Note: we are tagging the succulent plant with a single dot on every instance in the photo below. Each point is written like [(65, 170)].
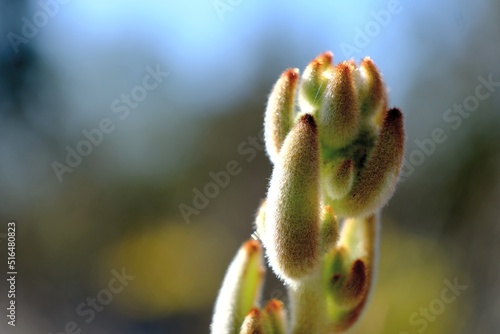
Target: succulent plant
[(336, 162)]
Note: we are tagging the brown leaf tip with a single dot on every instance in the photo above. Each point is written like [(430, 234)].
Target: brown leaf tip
[(252, 246), (359, 279), (274, 305), (345, 68), (394, 115), (370, 65), (367, 60), (322, 61), (325, 57), (354, 285), (291, 74), (352, 62), (255, 313), (394, 121), (308, 120), (253, 323)]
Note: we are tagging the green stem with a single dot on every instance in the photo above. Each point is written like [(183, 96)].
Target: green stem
[(308, 305)]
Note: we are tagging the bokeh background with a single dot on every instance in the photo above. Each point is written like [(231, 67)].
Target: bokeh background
[(119, 210)]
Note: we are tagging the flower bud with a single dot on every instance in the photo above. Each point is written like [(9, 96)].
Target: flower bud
[(292, 214), (240, 290), (314, 81), (280, 111), (339, 115)]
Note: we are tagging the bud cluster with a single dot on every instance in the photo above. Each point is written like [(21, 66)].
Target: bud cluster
[(336, 161)]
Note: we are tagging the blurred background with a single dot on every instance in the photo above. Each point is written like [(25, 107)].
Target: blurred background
[(116, 115)]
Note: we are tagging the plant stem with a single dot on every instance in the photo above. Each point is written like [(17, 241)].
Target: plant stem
[(308, 305)]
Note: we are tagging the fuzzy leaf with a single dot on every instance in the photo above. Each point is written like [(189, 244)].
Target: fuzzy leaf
[(313, 83), (280, 111), (378, 178), (241, 289), (339, 115), (292, 214)]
